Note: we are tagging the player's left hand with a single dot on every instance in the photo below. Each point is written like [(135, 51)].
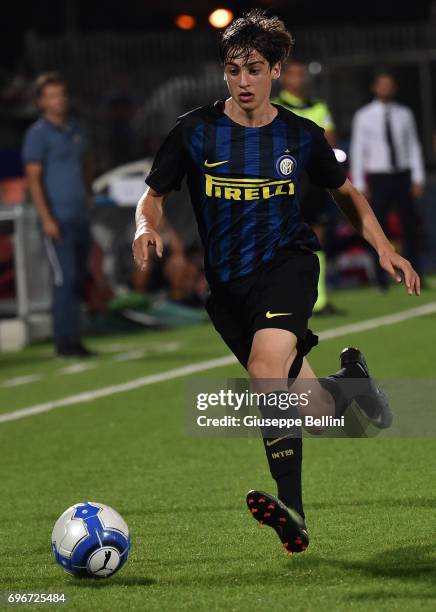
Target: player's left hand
[(394, 265)]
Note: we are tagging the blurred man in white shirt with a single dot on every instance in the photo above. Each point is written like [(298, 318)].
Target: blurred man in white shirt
[(386, 161)]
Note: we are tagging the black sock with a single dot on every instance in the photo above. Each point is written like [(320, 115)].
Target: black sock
[(285, 463), (284, 451)]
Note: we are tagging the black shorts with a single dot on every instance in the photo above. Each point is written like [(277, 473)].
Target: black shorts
[(287, 284)]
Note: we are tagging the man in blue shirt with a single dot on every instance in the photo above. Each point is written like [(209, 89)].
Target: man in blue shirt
[(58, 174)]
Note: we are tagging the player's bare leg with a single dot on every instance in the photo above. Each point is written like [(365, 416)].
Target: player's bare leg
[(273, 352)]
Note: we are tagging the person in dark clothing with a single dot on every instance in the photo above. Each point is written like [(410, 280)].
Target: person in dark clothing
[(244, 159)]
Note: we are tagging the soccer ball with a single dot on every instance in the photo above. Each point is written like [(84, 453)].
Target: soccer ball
[(90, 539)]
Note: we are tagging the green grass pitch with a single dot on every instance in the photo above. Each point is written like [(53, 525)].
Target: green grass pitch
[(370, 503)]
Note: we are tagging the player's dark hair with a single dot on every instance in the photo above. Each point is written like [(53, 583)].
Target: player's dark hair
[(48, 78), (256, 30)]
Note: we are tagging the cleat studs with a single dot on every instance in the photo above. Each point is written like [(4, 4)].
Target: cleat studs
[(285, 545), (282, 520), (262, 500), (260, 523), (290, 553), (266, 514), (303, 548), (298, 541), (250, 501), (253, 510), (271, 507)]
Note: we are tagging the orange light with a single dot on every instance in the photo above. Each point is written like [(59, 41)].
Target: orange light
[(220, 18), (185, 22)]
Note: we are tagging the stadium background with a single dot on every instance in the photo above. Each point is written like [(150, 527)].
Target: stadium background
[(369, 502)]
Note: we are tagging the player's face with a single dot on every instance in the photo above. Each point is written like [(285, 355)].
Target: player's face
[(249, 82), (54, 100), (385, 87), (294, 78)]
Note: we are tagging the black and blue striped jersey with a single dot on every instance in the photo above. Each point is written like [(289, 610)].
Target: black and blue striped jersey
[(244, 183)]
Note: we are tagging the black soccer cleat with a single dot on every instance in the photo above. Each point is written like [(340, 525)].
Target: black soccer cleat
[(288, 524), (371, 401)]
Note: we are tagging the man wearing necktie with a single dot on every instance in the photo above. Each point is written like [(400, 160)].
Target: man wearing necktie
[(386, 162)]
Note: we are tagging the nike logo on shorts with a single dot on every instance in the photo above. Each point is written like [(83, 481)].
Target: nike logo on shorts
[(270, 315), (213, 164)]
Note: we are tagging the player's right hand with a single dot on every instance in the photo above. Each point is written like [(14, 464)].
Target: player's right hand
[(140, 247), (51, 229)]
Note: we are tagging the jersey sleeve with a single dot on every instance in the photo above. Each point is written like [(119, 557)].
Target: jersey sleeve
[(33, 149), (322, 167), (170, 164)]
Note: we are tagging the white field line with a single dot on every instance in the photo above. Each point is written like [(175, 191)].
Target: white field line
[(114, 347), (368, 324), (88, 396), (138, 354), (77, 368), (165, 347), (210, 364), (21, 380)]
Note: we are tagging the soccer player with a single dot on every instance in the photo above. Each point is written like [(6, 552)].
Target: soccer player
[(244, 158), (315, 202)]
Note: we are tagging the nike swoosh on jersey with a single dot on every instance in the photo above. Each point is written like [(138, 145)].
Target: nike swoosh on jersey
[(272, 442), (270, 315), (213, 164)]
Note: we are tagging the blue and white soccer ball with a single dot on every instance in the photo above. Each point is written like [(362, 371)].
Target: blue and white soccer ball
[(90, 539)]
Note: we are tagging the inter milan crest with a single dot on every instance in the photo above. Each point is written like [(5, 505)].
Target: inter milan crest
[(286, 165)]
